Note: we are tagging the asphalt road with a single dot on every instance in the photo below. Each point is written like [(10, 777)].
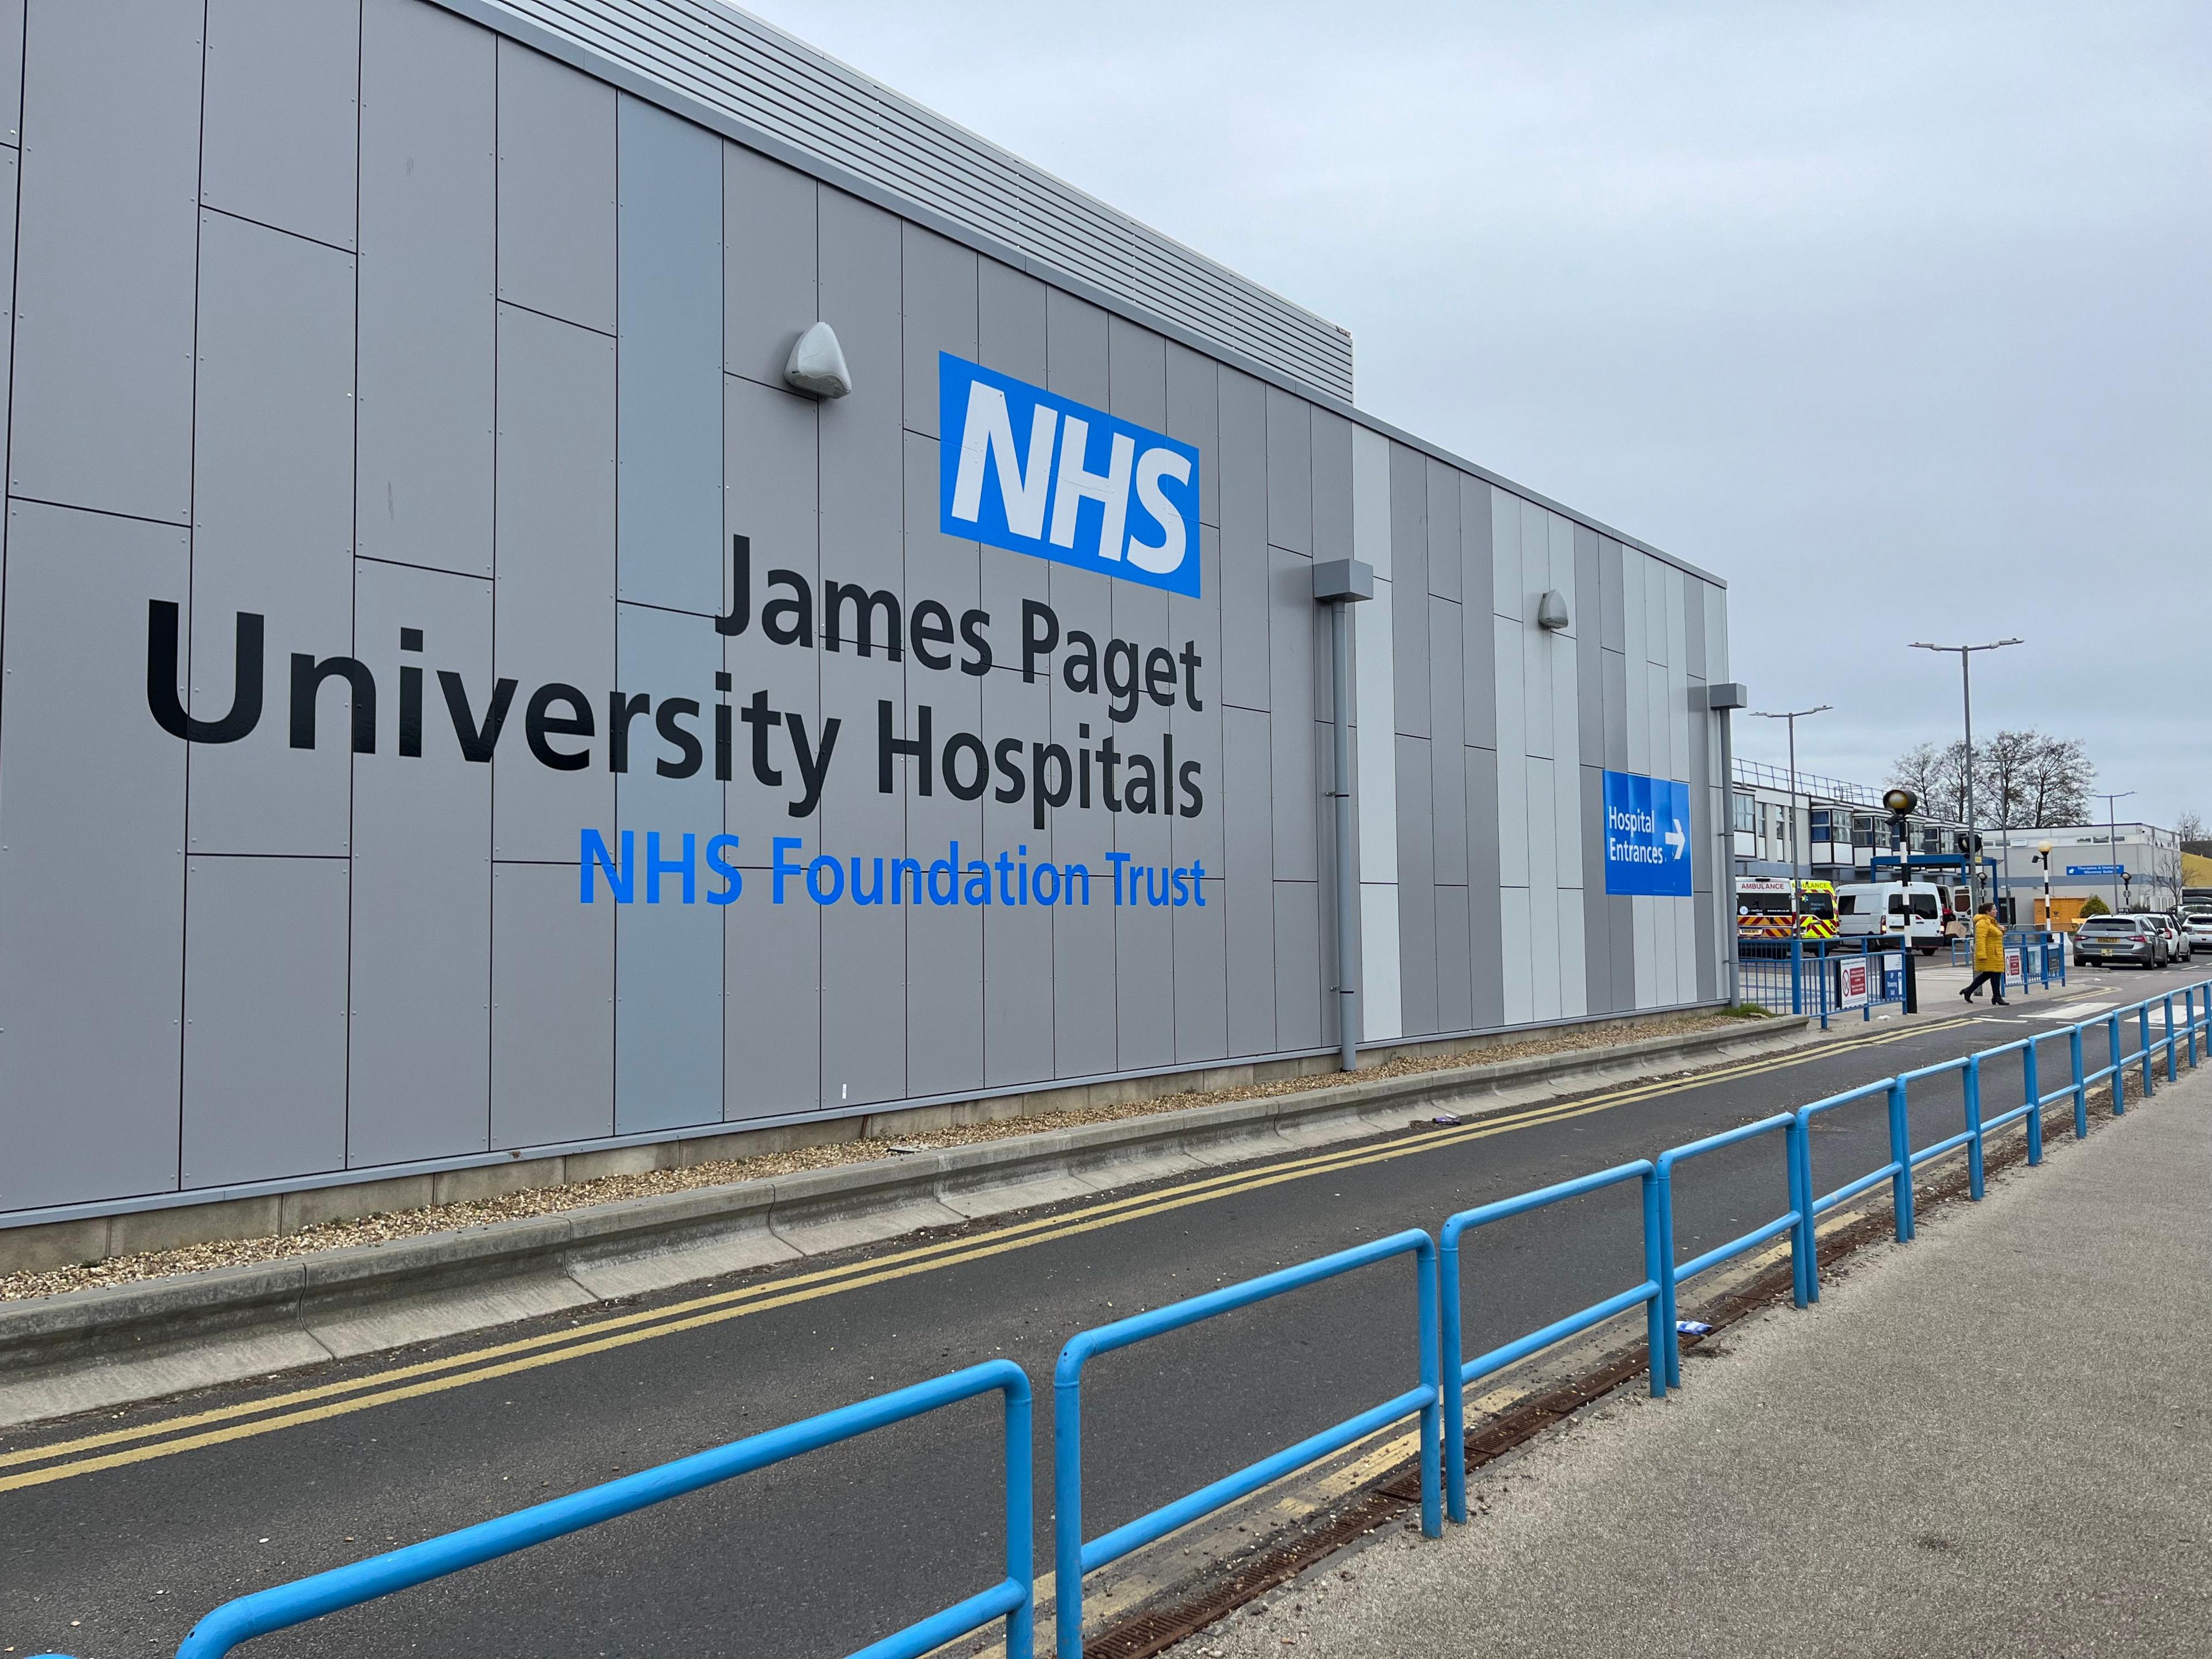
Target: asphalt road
[(192, 1501)]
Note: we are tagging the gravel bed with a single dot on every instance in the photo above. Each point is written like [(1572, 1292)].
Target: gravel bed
[(608, 1190)]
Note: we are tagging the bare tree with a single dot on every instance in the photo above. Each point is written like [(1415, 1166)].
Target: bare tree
[(2189, 829), (2004, 769), (1936, 775), (2057, 779)]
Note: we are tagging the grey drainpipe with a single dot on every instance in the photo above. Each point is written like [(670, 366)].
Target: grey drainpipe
[(1721, 696), (1339, 584)]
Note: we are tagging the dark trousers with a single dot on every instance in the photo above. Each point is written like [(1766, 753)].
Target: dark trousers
[(1994, 978)]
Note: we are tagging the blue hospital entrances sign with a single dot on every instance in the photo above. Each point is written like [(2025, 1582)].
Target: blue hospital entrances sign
[(1020, 468), (1647, 835)]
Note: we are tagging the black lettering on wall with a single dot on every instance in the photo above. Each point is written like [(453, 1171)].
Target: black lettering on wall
[(307, 677), (163, 621)]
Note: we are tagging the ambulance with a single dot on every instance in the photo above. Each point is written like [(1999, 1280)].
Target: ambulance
[(1762, 908)]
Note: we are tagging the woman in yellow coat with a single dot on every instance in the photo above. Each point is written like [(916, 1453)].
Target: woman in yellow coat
[(1988, 957)]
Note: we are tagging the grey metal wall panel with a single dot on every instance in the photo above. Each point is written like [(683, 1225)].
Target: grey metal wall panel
[(273, 480), (1013, 337), (1589, 671), (1084, 954), (1483, 889), (1332, 485), (1245, 560), (770, 468), (1505, 584), (282, 114), (1018, 989), (1290, 473), (1512, 756), (552, 1008), (553, 597), (1292, 698), (1479, 666), (1543, 888), (419, 1084), (1610, 597), (1446, 561), (1081, 355), (11, 72), (1197, 622), (264, 1065), (1410, 602), (1597, 909), (1201, 973), (1613, 690), (772, 1052), (937, 284), (668, 504), (751, 75), (1455, 960), (1193, 416), (1136, 374), (1448, 758), (428, 260), (103, 389), (769, 238), (1247, 863), (90, 972), (557, 189), (1694, 628), (1417, 876), (1299, 972), (945, 948), (668, 955)]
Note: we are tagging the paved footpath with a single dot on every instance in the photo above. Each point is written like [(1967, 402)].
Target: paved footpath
[(1995, 1440)]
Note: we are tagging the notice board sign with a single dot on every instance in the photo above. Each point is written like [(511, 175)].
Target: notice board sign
[(1647, 835), (1851, 982)]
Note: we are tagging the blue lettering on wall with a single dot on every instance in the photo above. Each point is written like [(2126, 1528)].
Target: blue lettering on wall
[(1020, 468)]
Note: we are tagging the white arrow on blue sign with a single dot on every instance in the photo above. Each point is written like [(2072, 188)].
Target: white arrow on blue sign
[(1647, 835)]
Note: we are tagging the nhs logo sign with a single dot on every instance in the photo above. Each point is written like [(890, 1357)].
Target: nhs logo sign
[(1022, 468)]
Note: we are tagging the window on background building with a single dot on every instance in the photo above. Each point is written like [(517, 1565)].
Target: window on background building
[(1821, 823), (1863, 827), (1747, 814)]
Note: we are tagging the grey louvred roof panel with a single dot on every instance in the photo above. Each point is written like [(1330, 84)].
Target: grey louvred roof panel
[(755, 75)]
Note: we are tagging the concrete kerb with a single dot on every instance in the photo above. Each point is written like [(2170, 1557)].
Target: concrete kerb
[(88, 1349)]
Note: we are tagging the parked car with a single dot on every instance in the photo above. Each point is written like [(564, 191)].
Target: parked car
[(2177, 941), (2119, 939), (2196, 928)]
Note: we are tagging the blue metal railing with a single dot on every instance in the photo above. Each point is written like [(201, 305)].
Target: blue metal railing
[(402, 1569), (1073, 1557), (1796, 1221), (1438, 1399), (1462, 1371)]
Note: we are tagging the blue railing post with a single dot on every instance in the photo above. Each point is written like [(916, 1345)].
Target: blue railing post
[(2033, 1072), (1666, 1335), (1454, 1425), (1067, 1509), (1804, 1263), (2188, 1021), (2142, 1034), (2167, 1009), (2119, 1067), (2062, 961), (1797, 975), (2081, 1087), (1426, 1285), (1900, 1152), (1973, 1097), (1662, 1343), (1867, 957)]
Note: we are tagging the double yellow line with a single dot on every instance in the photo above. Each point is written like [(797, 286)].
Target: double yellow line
[(169, 1437)]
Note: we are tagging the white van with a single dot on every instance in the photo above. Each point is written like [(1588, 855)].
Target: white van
[(1914, 909)]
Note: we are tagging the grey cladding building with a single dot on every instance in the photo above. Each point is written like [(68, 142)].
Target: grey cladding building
[(402, 477)]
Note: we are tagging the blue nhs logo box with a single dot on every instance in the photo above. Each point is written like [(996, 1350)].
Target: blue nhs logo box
[(1022, 468)]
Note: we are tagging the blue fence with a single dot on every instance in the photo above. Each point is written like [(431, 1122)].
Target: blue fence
[(1072, 1557), (1009, 1599), (1438, 1399), (1805, 975)]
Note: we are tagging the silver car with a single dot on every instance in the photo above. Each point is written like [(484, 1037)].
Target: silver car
[(2177, 941), (2196, 928), (2119, 939)]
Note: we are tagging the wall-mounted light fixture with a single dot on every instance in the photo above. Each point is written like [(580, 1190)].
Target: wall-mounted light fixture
[(1552, 610), (817, 364)]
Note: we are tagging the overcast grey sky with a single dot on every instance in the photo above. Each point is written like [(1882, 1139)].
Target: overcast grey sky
[(1896, 316)]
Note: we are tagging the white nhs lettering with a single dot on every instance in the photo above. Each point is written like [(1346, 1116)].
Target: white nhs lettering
[(1026, 462)]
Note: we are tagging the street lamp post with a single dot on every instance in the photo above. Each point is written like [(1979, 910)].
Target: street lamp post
[(2043, 857), (2113, 841), (1966, 687), (1796, 816)]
